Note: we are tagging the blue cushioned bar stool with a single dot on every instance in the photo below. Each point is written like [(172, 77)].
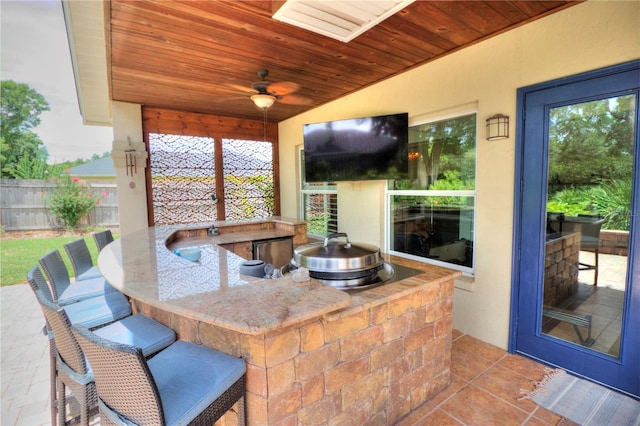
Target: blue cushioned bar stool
[(81, 262), (69, 367), (102, 238), (64, 291), (73, 371), (182, 384), (94, 312)]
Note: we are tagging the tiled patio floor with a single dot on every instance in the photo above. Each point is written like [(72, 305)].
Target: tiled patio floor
[(25, 359), (486, 381)]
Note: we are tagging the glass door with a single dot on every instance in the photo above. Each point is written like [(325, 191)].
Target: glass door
[(576, 296), (589, 179)]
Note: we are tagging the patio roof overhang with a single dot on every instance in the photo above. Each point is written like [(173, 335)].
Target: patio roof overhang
[(197, 56)]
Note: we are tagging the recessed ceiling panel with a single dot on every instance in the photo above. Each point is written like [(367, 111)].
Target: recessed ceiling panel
[(340, 20)]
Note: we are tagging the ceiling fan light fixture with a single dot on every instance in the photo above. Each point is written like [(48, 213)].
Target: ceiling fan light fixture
[(263, 101)]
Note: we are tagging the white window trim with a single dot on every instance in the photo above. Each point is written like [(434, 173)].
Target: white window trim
[(425, 119), (322, 190)]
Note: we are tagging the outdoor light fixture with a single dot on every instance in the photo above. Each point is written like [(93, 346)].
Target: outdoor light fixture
[(263, 101), (497, 127)]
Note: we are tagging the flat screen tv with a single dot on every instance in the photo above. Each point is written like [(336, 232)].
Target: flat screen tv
[(368, 148)]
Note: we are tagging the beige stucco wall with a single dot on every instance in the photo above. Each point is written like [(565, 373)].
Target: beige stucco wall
[(132, 192), (485, 76)]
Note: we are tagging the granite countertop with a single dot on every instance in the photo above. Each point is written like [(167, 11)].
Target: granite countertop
[(142, 266)]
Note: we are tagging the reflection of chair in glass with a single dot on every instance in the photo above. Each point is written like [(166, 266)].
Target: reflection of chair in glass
[(418, 244), (589, 229), (183, 384)]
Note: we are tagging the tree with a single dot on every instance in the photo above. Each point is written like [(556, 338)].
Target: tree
[(591, 142), (37, 167), (591, 149), (20, 110), (443, 150)]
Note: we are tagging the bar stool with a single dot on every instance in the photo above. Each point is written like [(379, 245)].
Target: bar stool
[(94, 312), (91, 312), (182, 384), (68, 365), (64, 291), (83, 267), (102, 238)]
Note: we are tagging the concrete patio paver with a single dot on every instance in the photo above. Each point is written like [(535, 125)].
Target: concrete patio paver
[(24, 373)]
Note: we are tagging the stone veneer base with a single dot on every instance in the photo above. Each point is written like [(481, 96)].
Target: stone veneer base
[(366, 364)]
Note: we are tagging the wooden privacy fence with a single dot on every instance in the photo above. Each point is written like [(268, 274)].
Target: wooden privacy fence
[(22, 203)]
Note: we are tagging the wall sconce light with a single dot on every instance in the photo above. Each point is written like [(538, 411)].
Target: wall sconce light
[(497, 127)]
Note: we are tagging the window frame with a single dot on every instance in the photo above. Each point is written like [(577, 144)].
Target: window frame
[(390, 193), (326, 188), (182, 123)]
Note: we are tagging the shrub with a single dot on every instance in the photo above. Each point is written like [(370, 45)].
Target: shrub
[(613, 203), (70, 201), (611, 200), (572, 201)]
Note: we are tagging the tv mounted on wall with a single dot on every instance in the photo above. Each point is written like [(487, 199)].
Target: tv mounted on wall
[(367, 148)]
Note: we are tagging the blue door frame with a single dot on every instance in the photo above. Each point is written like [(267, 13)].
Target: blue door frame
[(534, 103)]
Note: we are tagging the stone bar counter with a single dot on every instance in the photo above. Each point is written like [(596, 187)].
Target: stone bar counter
[(314, 354)]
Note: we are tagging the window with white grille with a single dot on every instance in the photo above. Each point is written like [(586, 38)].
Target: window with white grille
[(432, 213), (319, 205)]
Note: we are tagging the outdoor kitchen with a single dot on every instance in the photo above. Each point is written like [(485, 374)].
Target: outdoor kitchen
[(353, 352), (325, 228)]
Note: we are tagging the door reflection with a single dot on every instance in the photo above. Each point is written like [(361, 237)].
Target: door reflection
[(587, 221)]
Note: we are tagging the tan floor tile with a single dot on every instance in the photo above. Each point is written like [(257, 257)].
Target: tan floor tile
[(547, 416), (475, 406), (525, 366), (417, 415), (455, 334), (480, 348), (506, 385), (467, 364), (534, 421), (438, 418), (456, 384)]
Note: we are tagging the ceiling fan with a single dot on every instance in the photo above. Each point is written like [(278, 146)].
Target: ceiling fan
[(264, 93)]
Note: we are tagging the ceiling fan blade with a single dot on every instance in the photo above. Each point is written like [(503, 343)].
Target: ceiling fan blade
[(294, 100), (244, 89), (282, 88)]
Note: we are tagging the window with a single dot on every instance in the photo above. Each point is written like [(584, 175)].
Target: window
[(432, 214), (183, 179), (319, 205), (248, 179)]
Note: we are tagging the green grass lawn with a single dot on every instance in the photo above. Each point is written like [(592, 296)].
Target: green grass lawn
[(18, 256)]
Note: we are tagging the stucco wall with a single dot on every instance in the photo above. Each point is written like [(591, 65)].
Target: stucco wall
[(132, 191), (485, 76)]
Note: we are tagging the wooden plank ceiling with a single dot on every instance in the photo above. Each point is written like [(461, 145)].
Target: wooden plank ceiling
[(198, 55)]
